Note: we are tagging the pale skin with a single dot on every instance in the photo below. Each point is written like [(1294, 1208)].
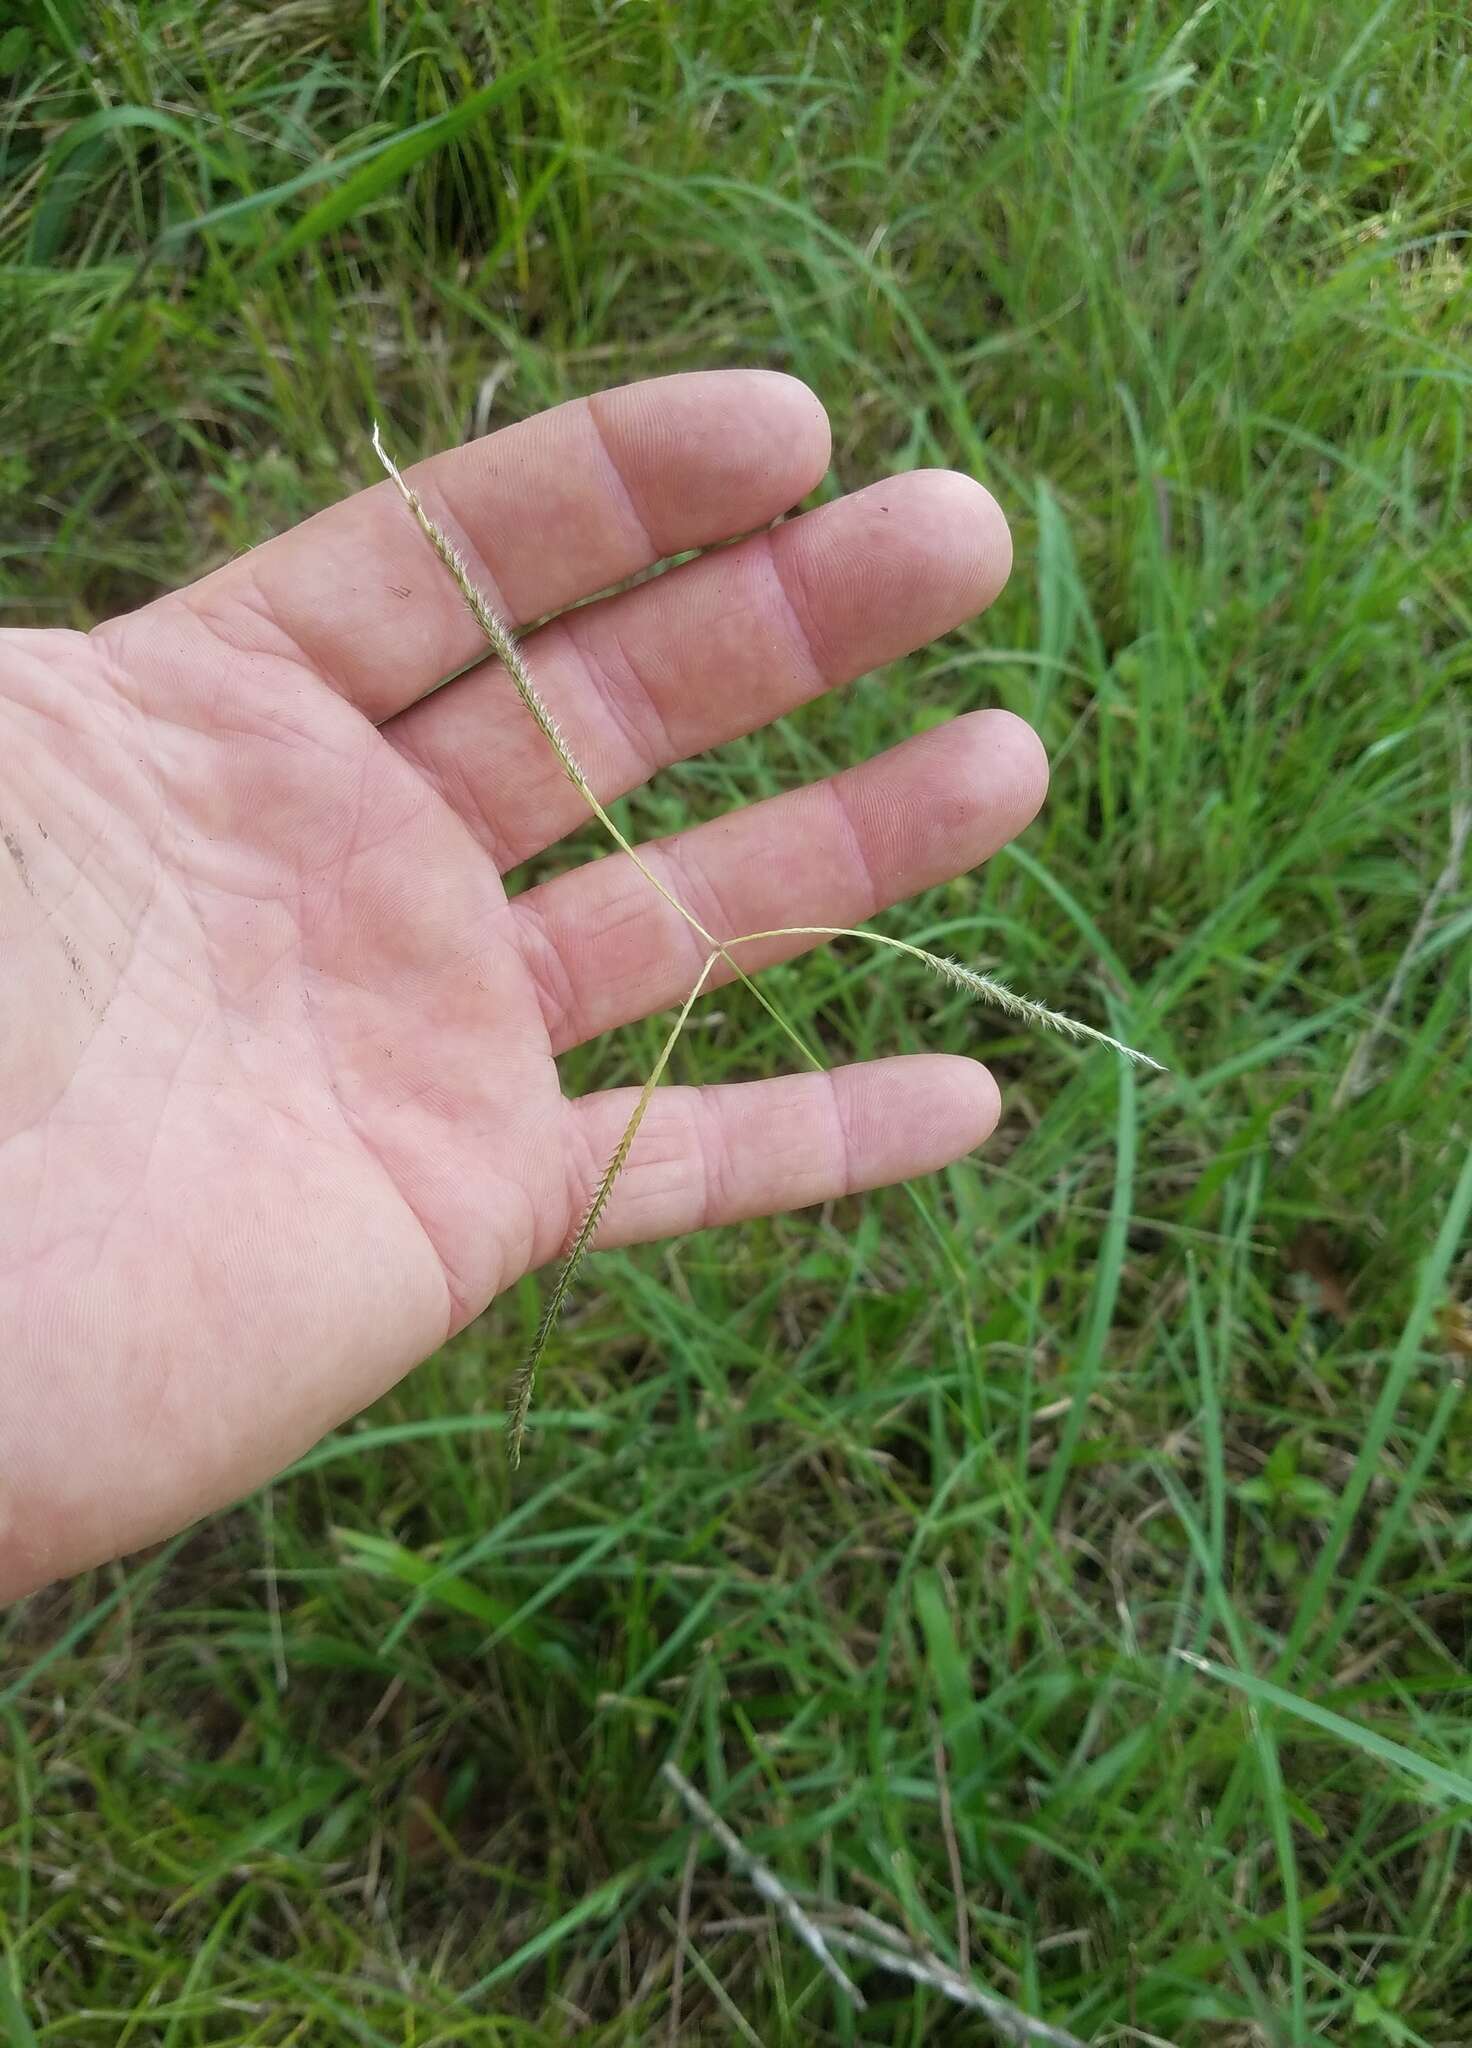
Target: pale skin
[(279, 1103)]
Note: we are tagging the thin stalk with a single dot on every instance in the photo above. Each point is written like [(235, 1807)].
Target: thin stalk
[(526, 1379), (507, 649)]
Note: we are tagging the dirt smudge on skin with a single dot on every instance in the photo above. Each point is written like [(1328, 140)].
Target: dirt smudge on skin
[(73, 958), (13, 848)]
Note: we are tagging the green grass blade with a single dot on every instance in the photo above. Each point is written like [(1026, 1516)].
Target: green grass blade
[(1107, 1276), (1430, 1287), (130, 1586), (66, 177), (600, 1902), (385, 167), (18, 2030), (1439, 1778)]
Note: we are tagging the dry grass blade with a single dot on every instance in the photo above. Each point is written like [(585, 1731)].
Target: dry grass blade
[(1008, 2019), (766, 1881), (812, 1921)]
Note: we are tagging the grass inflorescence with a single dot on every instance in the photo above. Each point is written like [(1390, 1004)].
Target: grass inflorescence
[(984, 988)]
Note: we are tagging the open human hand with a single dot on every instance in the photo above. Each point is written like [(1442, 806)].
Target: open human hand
[(279, 1105)]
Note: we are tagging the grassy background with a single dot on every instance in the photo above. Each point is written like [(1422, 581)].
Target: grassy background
[(879, 1514)]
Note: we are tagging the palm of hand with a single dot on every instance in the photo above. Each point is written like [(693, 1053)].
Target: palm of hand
[(279, 1107), (286, 1108)]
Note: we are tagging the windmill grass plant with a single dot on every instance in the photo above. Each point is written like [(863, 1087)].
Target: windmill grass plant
[(509, 650)]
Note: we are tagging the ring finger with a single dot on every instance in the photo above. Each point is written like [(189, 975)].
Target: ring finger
[(605, 948)]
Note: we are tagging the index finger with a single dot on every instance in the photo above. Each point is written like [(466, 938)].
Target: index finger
[(546, 512)]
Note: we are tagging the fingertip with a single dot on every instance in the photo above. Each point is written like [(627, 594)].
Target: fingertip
[(884, 570), (1026, 762), (797, 418), (996, 545), (706, 454), (928, 1110), (974, 529), (1009, 764), (976, 1098)]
